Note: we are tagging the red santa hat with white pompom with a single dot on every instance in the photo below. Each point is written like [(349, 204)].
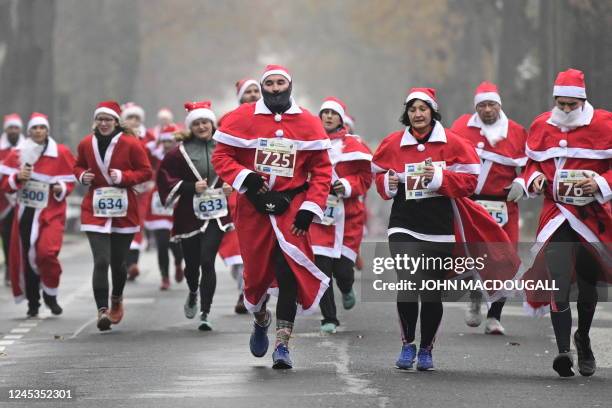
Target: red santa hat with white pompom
[(486, 91), (199, 110), (425, 94), (570, 83)]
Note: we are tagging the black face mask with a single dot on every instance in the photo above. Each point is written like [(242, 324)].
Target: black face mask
[(277, 102)]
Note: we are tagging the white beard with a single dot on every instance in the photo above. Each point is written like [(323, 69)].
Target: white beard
[(572, 120), (30, 152), (495, 132)]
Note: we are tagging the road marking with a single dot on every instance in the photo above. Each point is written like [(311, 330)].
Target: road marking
[(21, 330), (138, 301), (6, 342), (28, 324), (13, 336), (83, 327)]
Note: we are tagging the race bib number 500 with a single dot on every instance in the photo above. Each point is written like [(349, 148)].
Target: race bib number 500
[(34, 194), (567, 192), (110, 202), (415, 185), (275, 156)]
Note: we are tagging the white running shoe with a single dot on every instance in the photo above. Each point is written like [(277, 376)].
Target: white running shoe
[(473, 316), (493, 326)]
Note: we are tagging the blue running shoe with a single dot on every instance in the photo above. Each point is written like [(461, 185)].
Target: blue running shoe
[(259, 338), (406, 358), (424, 360), (281, 359)]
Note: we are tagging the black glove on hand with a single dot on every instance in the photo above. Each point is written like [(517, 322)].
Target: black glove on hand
[(253, 182), (303, 219)]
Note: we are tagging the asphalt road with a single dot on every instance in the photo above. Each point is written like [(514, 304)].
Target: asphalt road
[(157, 358)]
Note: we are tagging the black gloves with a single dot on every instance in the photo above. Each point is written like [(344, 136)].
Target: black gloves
[(253, 182), (303, 219)]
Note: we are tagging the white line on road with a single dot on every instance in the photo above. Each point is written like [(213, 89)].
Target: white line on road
[(13, 336), (21, 330), (6, 342)]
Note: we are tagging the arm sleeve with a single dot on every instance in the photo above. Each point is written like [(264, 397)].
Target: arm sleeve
[(227, 167), (320, 169), (141, 167)]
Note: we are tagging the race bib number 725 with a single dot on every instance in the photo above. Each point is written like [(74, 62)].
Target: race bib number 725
[(276, 156)]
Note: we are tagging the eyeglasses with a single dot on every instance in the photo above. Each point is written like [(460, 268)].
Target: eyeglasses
[(104, 120)]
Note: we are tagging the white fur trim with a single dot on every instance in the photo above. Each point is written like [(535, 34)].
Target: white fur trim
[(275, 72), (569, 91), (38, 121), (334, 106), (13, 122), (485, 168), (423, 237), (239, 181), (108, 111), (313, 208), (12, 180), (349, 253), (487, 96), (424, 97), (348, 190), (570, 152), (503, 160), (471, 168), (437, 135), (235, 141), (134, 110), (202, 113), (605, 193), (62, 194), (344, 157), (233, 260), (436, 181), (171, 196), (158, 225), (388, 191), (119, 176), (244, 87)]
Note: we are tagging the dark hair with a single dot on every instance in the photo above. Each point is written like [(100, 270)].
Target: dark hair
[(404, 120)]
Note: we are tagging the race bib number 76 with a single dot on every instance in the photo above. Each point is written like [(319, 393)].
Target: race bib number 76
[(415, 184)]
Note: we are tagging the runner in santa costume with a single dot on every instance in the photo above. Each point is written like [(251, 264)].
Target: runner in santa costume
[(275, 154), (165, 117), (134, 116), (247, 91), (159, 217), (40, 172), (10, 139), (570, 163), (200, 216), (111, 161), (430, 172), (500, 144), (336, 240)]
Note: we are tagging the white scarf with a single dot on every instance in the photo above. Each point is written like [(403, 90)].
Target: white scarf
[(30, 152), (572, 120), (495, 132)]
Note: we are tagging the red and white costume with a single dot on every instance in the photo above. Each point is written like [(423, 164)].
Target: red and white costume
[(54, 166), (238, 138), (351, 165), (7, 200), (552, 150), (125, 154), (501, 148)]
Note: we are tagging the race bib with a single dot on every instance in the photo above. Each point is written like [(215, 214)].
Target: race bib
[(157, 208), (565, 185), (110, 202), (414, 183), (212, 203), (331, 210), (275, 156), (497, 209), (34, 194)]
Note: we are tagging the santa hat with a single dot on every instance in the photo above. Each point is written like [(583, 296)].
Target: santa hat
[(38, 119), (199, 110), (242, 85), (336, 105), (275, 70), (571, 84), (425, 94), (486, 91), (165, 113), (131, 109), (12, 119), (110, 108), (350, 121), (167, 132)]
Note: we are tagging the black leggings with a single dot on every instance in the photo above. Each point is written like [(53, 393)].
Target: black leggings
[(408, 302), (342, 269), (564, 253), (109, 250), (200, 252), (286, 305), (162, 239), (7, 226), (32, 279)]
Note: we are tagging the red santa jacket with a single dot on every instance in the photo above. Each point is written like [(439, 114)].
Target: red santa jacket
[(552, 153), (7, 200), (243, 130), (351, 165), (472, 224), (126, 154), (54, 166)]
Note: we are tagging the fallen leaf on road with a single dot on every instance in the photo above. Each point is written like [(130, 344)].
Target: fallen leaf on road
[(513, 343)]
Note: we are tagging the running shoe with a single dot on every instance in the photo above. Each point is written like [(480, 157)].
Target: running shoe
[(240, 308), (51, 302), (586, 359), (473, 316), (281, 359), (191, 305), (179, 274), (32, 311), (406, 358), (104, 322), (424, 360), (133, 272), (348, 300), (259, 342), (563, 364), (204, 322), (328, 328), (493, 326), (116, 311), (165, 285)]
